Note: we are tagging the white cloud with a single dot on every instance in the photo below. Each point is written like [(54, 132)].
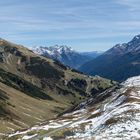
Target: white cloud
[(75, 20)]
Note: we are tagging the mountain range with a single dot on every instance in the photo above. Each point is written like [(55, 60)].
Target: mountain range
[(66, 55), (34, 88), (40, 98), (118, 63)]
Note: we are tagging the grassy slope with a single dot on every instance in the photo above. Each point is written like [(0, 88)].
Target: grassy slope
[(34, 89)]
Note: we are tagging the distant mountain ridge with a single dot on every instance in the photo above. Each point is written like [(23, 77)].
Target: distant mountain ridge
[(118, 63), (53, 50), (131, 47), (92, 54), (66, 55)]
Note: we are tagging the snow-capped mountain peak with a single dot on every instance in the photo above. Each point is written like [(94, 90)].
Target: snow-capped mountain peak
[(133, 47), (52, 50), (64, 54), (137, 37)]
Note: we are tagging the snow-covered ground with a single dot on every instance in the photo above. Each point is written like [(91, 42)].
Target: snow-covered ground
[(134, 81), (113, 117)]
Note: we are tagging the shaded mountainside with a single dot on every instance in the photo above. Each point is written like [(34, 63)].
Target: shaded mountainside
[(34, 89), (119, 63), (65, 55), (111, 115)]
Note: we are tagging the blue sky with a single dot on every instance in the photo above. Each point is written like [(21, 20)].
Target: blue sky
[(85, 25)]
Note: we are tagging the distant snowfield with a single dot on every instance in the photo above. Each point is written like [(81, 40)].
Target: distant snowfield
[(116, 117), (134, 81)]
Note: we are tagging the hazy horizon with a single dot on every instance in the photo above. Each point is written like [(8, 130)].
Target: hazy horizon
[(94, 25)]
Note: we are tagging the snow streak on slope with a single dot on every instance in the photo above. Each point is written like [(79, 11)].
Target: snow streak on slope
[(111, 115)]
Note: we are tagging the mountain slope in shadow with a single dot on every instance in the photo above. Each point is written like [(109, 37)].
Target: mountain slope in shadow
[(119, 63)]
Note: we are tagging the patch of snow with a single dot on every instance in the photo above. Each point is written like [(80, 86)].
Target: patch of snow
[(47, 138), (133, 81), (28, 137)]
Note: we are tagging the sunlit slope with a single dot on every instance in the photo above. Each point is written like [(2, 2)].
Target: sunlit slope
[(34, 88)]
